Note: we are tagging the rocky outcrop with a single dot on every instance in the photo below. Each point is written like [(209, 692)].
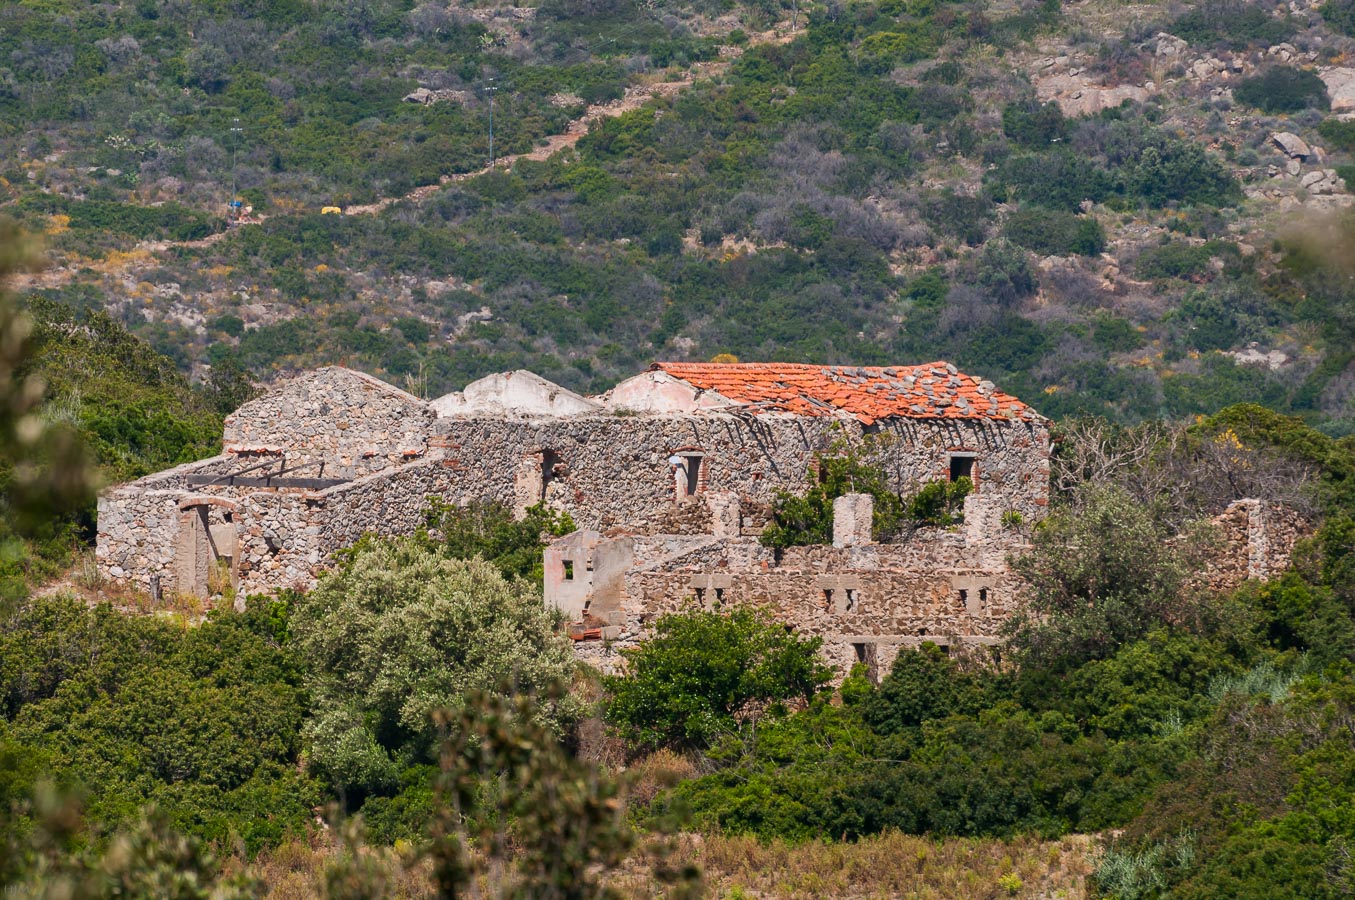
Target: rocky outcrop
[(1076, 96), (425, 96), (1340, 82), (1323, 181), (1169, 45)]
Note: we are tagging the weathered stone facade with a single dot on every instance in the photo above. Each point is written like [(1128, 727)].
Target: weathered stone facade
[(670, 476), (866, 600), (332, 454)]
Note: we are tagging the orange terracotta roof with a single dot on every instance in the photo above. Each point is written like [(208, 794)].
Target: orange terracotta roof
[(867, 393)]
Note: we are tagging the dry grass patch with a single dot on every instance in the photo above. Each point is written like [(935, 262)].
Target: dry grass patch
[(299, 870), (888, 865)]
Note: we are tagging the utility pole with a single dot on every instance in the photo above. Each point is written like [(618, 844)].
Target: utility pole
[(236, 131), (490, 88)]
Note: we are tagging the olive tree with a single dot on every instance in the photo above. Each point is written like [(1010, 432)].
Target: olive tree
[(1103, 573), (399, 631)]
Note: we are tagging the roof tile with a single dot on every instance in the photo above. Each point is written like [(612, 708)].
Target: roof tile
[(933, 390)]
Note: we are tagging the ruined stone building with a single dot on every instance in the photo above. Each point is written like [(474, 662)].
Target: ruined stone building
[(669, 475)]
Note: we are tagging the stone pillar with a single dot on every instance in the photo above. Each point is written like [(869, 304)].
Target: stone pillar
[(852, 515)]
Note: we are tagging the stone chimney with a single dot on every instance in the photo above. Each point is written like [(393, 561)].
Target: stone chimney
[(852, 515)]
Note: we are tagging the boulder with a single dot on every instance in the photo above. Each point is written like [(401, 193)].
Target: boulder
[(1340, 82), (1169, 44), (1293, 146), (1076, 97), (1322, 182)]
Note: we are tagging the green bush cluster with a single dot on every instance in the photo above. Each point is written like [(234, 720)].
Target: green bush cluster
[(1283, 89), (204, 722), (1053, 232), (1339, 16), (1234, 24)]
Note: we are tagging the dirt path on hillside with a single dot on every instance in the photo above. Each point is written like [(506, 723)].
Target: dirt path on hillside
[(636, 96)]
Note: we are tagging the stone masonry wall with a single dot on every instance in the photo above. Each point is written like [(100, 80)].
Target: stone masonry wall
[(610, 470), (139, 525), (353, 423), (1256, 540), (865, 602), (292, 540)]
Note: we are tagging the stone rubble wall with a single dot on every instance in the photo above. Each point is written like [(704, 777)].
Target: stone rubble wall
[(353, 423), (1256, 541), (137, 538), (298, 535), (139, 524), (878, 598), (612, 471)]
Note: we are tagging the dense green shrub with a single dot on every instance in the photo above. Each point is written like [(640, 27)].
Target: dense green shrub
[(1339, 16), (703, 675), (490, 531), (398, 631), (1283, 89), (1174, 260), (1220, 318), (1339, 133), (923, 685), (1175, 171), (1002, 273), (1034, 125), (1056, 179), (1101, 575), (1236, 24), (204, 721), (804, 519), (939, 503), (1055, 232), (960, 215)]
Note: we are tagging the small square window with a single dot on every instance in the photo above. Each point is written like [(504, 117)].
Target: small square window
[(961, 467)]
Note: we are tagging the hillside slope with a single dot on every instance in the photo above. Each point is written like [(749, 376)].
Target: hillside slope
[(1102, 205)]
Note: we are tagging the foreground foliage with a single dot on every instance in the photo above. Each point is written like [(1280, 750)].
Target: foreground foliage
[(203, 722), (397, 632)]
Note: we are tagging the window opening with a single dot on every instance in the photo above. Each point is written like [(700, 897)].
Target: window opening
[(865, 654), (827, 598), (700, 595), (694, 474), (851, 599), (983, 595), (569, 569), (964, 596), (719, 595), (961, 467), (549, 460)]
